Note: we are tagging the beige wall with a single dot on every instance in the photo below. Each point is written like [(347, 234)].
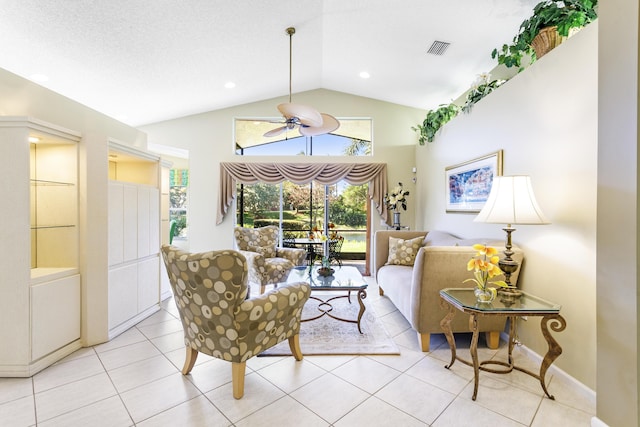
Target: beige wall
[(209, 139), (617, 313), (545, 120)]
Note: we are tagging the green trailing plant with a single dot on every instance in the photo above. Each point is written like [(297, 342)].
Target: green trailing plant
[(565, 15), (480, 88), (434, 120)]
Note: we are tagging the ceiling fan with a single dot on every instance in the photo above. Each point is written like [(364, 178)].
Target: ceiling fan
[(307, 119)]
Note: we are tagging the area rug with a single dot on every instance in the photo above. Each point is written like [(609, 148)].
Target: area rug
[(327, 336)]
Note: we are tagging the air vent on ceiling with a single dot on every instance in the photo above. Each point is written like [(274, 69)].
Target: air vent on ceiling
[(438, 48)]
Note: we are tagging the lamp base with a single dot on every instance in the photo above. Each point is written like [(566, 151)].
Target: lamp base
[(509, 266)]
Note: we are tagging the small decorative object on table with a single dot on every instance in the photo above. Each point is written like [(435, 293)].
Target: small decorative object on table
[(397, 199), (485, 266), (325, 270)]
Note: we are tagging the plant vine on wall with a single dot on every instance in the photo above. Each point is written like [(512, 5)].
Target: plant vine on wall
[(550, 24)]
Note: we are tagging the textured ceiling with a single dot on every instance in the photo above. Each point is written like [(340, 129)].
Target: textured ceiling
[(143, 61)]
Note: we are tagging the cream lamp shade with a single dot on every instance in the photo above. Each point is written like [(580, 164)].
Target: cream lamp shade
[(511, 201)]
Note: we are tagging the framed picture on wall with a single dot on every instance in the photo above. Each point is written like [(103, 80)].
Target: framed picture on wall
[(468, 184)]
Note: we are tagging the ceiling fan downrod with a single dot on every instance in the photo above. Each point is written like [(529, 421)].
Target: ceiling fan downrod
[(290, 31)]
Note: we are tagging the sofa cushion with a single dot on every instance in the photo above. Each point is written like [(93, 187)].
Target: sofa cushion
[(403, 252)]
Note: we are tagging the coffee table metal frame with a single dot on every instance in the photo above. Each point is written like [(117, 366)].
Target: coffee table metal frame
[(344, 278), (463, 299)]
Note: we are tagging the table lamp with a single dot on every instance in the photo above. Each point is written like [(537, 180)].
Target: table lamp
[(511, 201)]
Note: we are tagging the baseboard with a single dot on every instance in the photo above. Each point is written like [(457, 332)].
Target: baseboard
[(125, 326), (597, 422), (32, 368), (554, 370)]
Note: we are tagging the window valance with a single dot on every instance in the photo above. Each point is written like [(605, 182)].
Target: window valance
[(302, 173)]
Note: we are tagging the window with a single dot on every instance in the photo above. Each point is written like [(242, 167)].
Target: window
[(178, 202), (352, 138), (300, 209)]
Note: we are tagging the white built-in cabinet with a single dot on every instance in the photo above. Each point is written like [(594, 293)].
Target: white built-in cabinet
[(134, 224), (165, 202), (40, 286), (63, 285)]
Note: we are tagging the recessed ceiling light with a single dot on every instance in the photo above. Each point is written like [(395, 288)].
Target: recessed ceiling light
[(229, 85), (364, 75), (34, 139), (39, 78)]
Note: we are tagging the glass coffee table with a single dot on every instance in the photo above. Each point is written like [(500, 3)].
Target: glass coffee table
[(464, 299), (344, 278)]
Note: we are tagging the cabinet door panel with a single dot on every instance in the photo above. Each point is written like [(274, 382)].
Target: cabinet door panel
[(130, 228), (123, 294), (154, 221), (116, 223), (55, 311), (143, 222), (148, 283)]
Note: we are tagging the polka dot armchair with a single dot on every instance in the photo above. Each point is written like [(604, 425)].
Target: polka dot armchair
[(268, 264), (210, 291)]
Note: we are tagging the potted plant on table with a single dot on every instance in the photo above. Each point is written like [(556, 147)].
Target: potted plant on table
[(395, 201), (325, 269), (550, 24), (485, 267)]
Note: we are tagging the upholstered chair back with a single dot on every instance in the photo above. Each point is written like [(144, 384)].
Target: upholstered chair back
[(268, 263), (210, 291), (262, 240)]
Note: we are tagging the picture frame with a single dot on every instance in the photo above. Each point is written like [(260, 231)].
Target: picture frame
[(468, 184)]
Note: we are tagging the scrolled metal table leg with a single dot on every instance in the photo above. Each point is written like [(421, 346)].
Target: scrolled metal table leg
[(557, 324), (473, 325), (445, 324), (362, 294)]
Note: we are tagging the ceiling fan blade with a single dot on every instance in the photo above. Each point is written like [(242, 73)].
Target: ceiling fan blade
[(306, 115), (275, 132), (329, 124)]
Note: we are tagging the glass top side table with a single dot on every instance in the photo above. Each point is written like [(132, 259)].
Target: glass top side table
[(463, 299)]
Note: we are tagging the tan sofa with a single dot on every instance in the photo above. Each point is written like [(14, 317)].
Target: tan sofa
[(439, 263)]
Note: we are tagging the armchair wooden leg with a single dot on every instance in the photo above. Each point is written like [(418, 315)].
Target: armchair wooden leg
[(380, 291), (294, 345), (424, 340), (263, 288), (237, 378), (189, 360), (493, 339)]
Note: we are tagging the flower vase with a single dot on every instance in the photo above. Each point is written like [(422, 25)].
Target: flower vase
[(396, 220), (485, 296)]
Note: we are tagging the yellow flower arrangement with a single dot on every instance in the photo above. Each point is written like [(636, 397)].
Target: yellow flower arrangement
[(485, 266)]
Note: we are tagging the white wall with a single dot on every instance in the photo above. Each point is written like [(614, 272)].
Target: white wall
[(209, 139), (545, 120)]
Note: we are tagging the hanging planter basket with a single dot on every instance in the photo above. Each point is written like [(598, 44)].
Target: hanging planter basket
[(547, 39)]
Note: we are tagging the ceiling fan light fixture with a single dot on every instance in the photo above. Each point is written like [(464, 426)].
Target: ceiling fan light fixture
[(307, 119)]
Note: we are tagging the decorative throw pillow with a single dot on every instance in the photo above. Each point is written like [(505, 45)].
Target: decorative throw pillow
[(403, 252), (266, 251)]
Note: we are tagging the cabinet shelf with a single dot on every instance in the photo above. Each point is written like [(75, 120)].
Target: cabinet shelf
[(44, 182), (42, 227)]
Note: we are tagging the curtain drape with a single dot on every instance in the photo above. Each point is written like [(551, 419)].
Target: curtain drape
[(302, 173)]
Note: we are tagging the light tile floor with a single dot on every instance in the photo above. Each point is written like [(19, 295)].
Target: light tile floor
[(135, 380)]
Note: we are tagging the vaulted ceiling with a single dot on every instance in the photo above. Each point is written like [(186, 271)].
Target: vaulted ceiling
[(143, 61)]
